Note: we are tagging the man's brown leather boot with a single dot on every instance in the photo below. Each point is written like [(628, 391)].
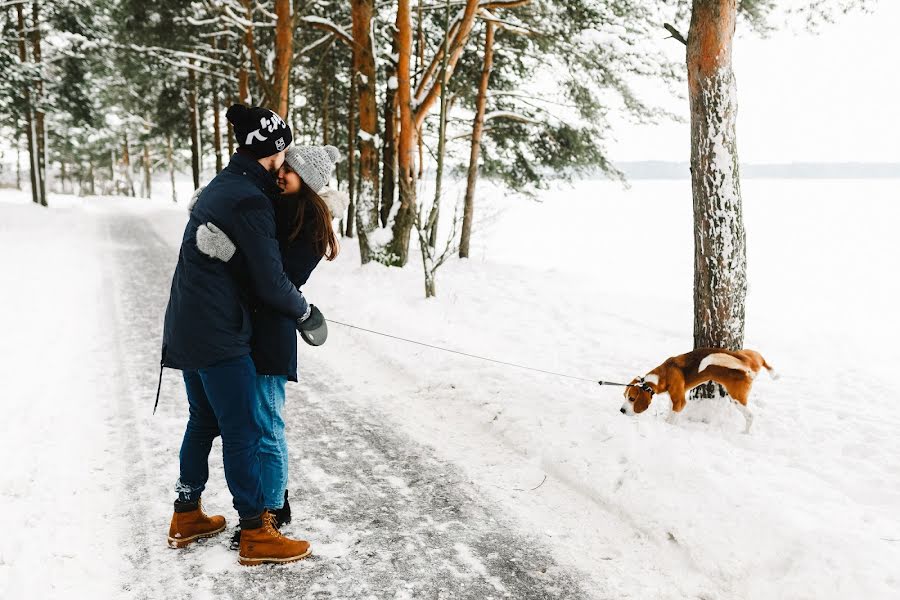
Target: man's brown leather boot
[(190, 524), (262, 543)]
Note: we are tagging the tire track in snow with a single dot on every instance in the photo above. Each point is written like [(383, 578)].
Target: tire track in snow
[(385, 517)]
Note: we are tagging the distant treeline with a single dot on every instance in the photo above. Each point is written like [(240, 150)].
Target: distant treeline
[(654, 169)]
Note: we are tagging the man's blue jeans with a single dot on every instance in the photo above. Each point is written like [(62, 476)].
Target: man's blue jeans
[(223, 401), (273, 450)]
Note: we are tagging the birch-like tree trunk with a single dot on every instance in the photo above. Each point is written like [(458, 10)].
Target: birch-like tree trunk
[(364, 74), (720, 264), (475, 152), (435, 215)]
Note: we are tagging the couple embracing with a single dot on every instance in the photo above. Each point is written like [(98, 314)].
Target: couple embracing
[(255, 234)]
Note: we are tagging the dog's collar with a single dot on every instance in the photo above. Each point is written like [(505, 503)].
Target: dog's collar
[(642, 384)]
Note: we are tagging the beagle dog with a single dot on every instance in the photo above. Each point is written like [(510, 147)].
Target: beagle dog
[(734, 370)]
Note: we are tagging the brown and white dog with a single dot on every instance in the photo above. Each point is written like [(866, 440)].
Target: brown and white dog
[(734, 370)]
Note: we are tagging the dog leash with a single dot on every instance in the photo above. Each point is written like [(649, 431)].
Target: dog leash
[(483, 358)]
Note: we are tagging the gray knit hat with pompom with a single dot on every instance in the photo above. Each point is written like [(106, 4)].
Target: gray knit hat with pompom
[(314, 164)]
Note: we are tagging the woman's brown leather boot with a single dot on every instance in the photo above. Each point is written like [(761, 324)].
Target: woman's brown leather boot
[(262, 543)]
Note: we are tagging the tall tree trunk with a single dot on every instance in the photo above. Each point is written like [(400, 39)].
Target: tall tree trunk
[(30, 129), (147, 173), (364, 72), (477, 130), (435, 214), (388, 144), (244, 81), (420, 66), (284, 55), (351, 156), (126, 165), (217, 122), (91, 178), (720, 258), (18, 163), (403, 223), (112, 171), (40, 131), (194, 126), (171, 158), (327, 85)]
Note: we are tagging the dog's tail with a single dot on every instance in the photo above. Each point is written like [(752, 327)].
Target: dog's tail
[(772, 373)]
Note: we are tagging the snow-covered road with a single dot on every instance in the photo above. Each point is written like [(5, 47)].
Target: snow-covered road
[(420, 474), (387, 519)]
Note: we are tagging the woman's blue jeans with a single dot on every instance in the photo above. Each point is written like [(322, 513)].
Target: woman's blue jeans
[(273, 450)]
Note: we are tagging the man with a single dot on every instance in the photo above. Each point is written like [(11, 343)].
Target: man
[(207, 335)]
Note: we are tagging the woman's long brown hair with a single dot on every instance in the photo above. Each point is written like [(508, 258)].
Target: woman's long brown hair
[(323, 239)]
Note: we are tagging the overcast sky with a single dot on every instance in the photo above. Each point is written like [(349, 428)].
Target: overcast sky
[(834, 96)]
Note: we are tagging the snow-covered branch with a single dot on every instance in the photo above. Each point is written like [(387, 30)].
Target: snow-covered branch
[(316, 44), (328, 25), (512, 116)]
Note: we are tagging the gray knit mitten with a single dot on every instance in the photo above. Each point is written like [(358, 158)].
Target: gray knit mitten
[(213, 242), (336, 200), (195, 197)]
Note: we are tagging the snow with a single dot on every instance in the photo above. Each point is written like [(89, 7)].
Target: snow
[(392, 82), (593, 281)]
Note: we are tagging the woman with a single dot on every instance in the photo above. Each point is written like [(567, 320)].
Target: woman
[(305, 234)]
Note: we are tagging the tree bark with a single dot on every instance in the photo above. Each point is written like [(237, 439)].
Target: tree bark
[(112, 171), (171, 158), (244, 86), (147, 173), (126, 164), (435, 213), (194, 126), (351, 156), (720, 259), (364, 73), (477, 131), (327, 86), (91, 178), (40, 131), (403, 223), (217, 124), (284, 55), (18, 164), (389, 145), (30, 131)]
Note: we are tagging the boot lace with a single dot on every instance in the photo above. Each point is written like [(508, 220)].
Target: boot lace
[(269, 524)]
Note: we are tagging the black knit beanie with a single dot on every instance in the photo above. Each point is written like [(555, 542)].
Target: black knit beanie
[(259, 130)]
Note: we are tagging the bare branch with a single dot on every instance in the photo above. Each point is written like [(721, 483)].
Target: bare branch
[(675, 33)]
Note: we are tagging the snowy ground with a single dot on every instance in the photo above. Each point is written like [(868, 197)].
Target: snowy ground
[(418, 474)]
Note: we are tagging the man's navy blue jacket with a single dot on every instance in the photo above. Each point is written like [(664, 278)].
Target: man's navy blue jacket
[(274, 342), (208, 319)]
